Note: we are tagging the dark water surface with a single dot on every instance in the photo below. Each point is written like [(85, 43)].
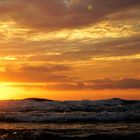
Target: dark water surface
[(43, 131), (45, 119)]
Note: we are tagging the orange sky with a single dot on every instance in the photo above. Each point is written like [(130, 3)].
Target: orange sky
[(70, 49)]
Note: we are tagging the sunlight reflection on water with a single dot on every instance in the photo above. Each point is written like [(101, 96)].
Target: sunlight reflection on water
[(93, 126)]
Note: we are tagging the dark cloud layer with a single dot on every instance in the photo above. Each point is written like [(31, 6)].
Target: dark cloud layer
[(98, 85), (61, 14)]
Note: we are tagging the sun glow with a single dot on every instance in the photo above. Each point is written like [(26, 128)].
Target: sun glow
[(8, 92)]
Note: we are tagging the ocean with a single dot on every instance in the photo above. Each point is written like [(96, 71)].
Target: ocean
[(43, 131), (37, 119)]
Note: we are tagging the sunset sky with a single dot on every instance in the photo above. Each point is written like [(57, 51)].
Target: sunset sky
[(70, 49)]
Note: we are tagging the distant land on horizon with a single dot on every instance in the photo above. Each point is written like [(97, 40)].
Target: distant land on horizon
[(46, 99)]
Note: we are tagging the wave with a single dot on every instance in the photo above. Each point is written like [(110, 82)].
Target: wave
[(38, 110)]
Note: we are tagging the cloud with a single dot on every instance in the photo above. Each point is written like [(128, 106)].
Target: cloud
[(29, 74), (44, 69), (113, 34), (61, 14), (116, 84), (86, 51), (98, 84)]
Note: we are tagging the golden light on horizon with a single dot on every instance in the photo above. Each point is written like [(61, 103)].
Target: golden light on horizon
[(12, 91)]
